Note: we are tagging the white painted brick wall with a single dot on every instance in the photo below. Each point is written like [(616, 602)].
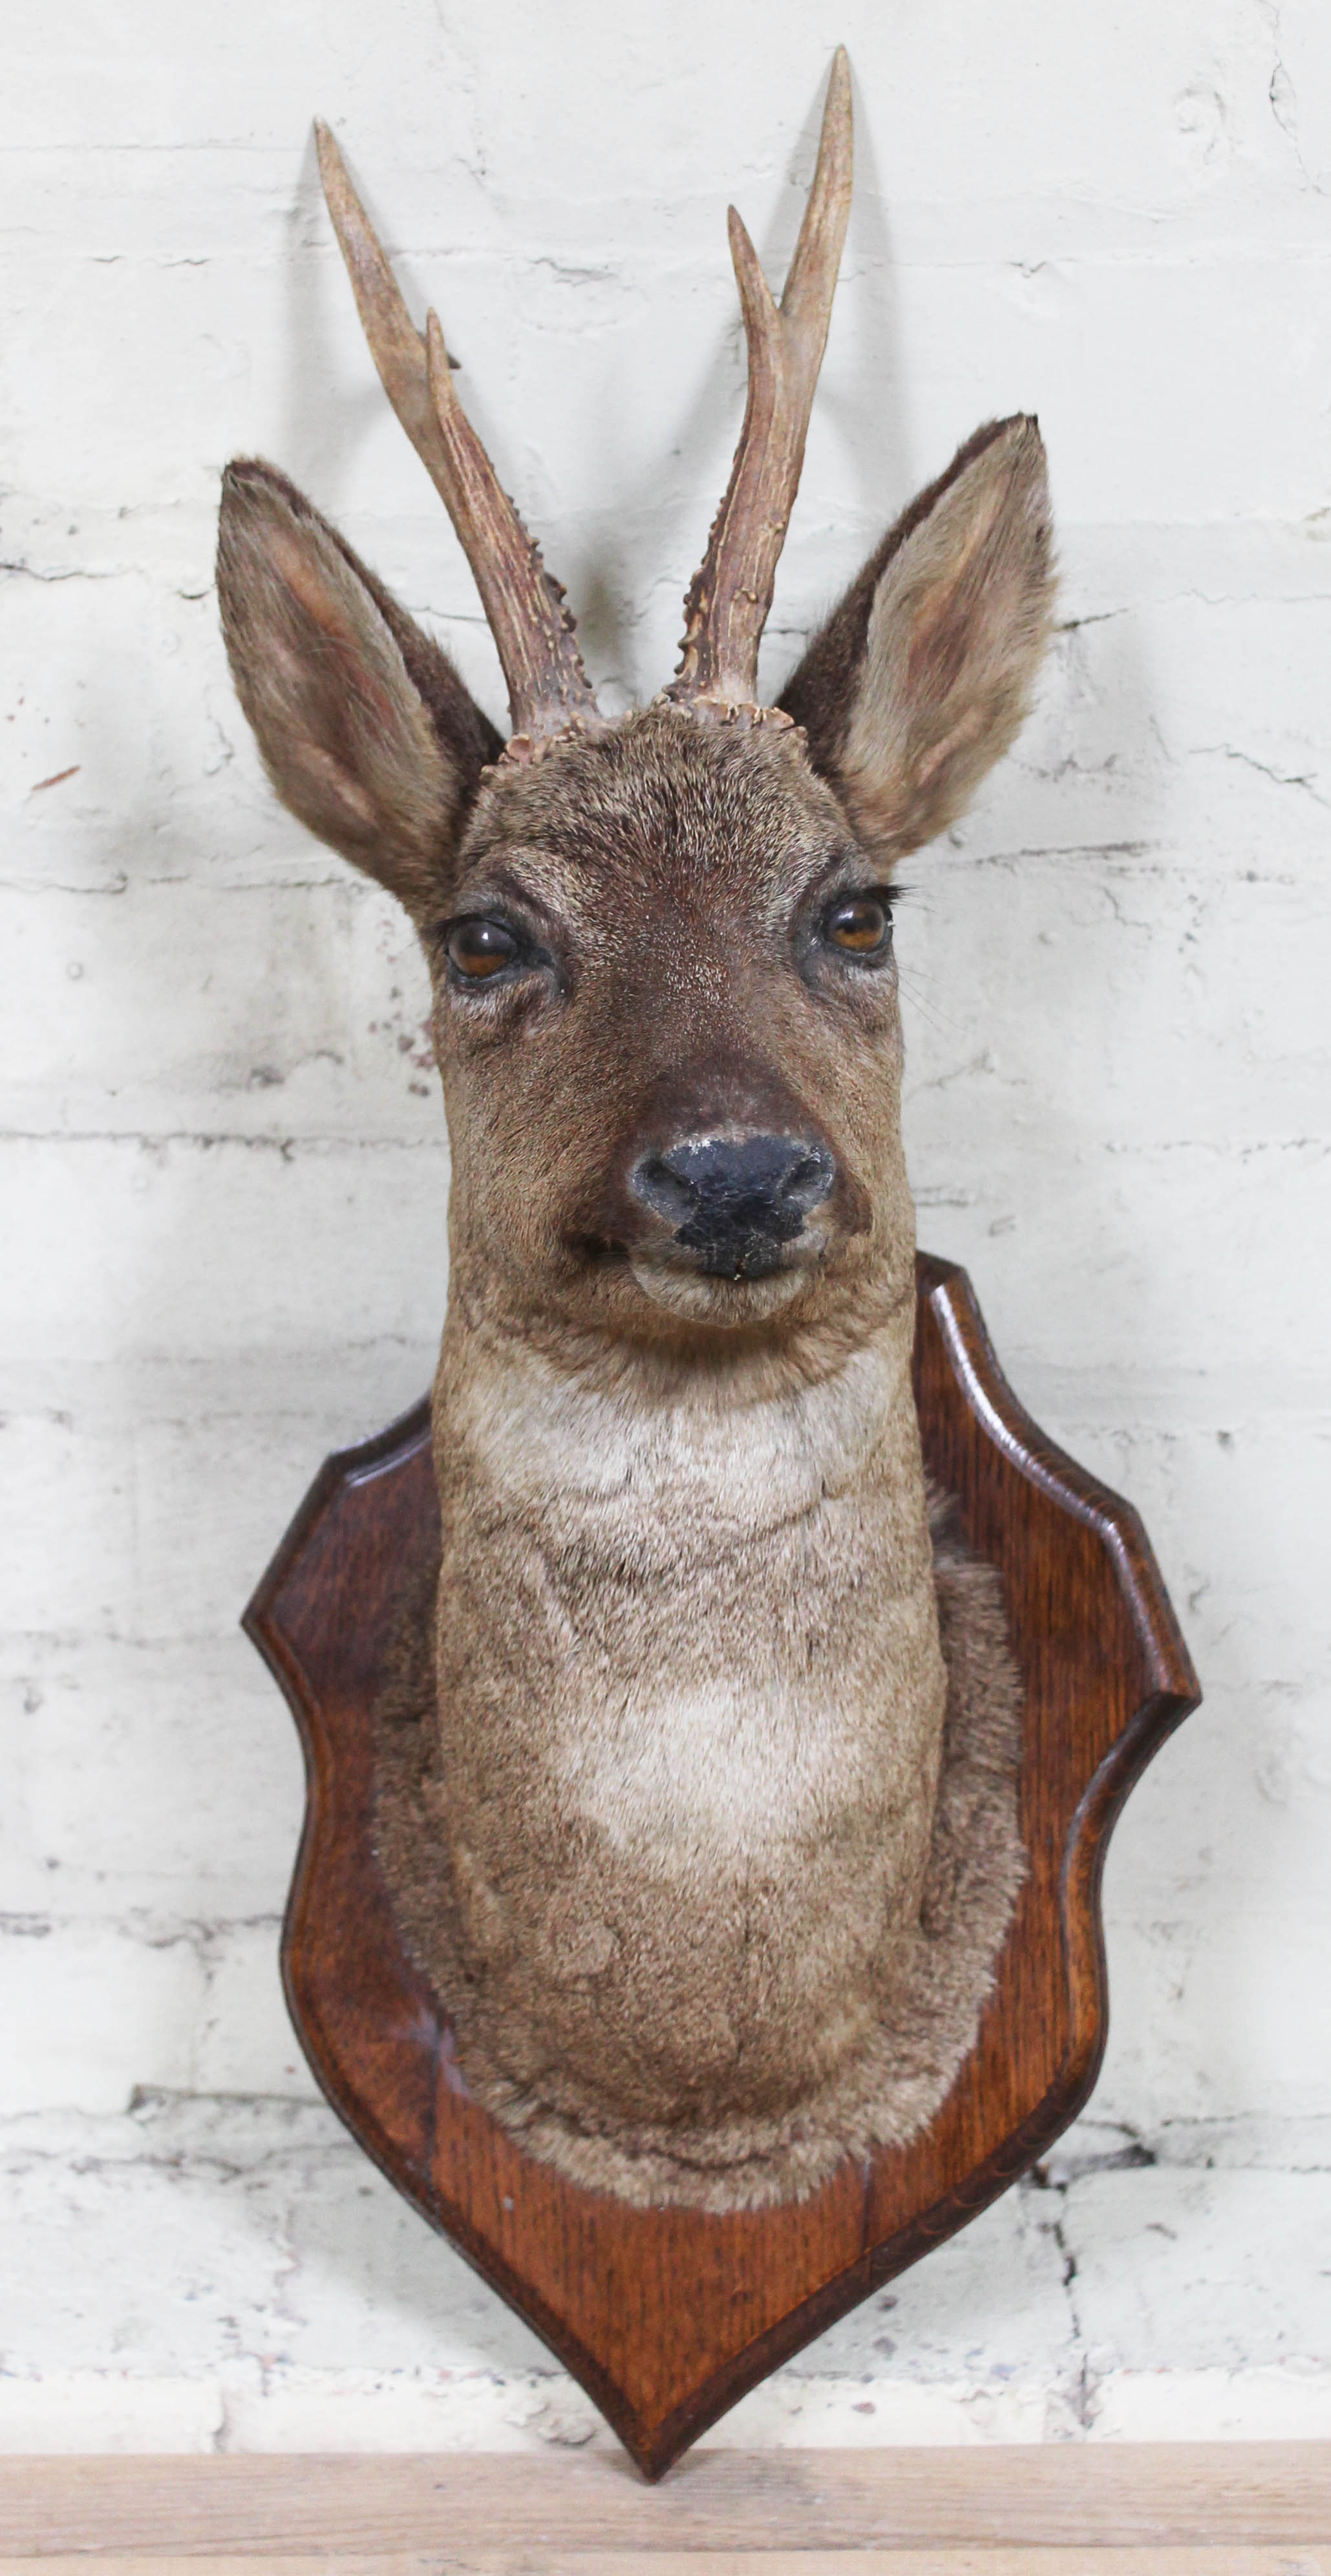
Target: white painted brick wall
[(223, 1153)]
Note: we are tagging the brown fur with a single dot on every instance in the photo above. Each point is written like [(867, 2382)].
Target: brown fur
[(930, 2008), (722, 1876), (365, 728), (696, 1733), (923, 676)]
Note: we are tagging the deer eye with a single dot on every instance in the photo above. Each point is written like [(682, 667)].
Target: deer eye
[(480, 949), (860, 925)]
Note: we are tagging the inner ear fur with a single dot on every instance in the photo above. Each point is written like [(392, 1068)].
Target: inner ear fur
[(922, 677), (365, 728)]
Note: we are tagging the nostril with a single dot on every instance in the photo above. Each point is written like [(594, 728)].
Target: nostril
[(809, 1182), (670, 1194)]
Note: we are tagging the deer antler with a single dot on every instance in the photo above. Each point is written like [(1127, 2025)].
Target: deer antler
[(548, 687), (731, 593)]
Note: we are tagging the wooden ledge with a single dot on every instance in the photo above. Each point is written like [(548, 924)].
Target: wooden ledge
[(1064, 2509)]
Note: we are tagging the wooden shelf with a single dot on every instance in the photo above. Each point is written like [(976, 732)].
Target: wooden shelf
[(1064, 2509)]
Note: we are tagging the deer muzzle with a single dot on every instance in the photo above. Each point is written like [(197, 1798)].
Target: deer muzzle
[(734, 1203)]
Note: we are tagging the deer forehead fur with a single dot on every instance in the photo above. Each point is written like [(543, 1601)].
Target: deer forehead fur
[(688, 1695)]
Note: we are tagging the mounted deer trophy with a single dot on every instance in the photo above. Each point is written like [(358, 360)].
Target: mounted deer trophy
[(698, 1784)]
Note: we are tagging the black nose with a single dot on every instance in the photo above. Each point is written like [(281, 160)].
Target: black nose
[(735, 1202)]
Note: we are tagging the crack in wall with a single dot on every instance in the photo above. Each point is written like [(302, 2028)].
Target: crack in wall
[(1077, 2382), (1281, 93)]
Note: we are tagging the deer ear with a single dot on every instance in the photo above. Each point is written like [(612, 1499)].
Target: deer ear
[(920, 679), (366, 731)]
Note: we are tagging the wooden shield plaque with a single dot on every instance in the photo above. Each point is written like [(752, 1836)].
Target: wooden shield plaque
[(667, 2316)]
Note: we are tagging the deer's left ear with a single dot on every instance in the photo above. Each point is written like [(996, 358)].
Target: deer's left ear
[(920, 679)]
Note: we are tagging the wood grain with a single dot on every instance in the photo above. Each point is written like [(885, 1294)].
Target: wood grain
[(554, 2560), (1067, 2496), (666, 2317)]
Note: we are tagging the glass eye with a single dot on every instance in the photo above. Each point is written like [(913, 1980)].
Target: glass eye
[(479, 949), (862, 925)]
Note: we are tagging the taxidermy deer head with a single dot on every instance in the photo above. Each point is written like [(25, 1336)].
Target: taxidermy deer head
[(708, 1863)]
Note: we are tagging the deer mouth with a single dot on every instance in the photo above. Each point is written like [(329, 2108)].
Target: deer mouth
[(696, 1292), (703, 1291), (726, 1299), (735, 1282)]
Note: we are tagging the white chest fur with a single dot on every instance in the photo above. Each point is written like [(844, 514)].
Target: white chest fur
[(724, 1776), (720, 1604)]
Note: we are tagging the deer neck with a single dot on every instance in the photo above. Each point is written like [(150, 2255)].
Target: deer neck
[(666, 1475), (689, 1688)]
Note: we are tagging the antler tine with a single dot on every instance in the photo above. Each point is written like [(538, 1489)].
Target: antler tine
[(547, 685), (731, 593)]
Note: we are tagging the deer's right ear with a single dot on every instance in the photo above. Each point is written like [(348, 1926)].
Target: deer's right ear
[(920, 679), (365, 728)]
